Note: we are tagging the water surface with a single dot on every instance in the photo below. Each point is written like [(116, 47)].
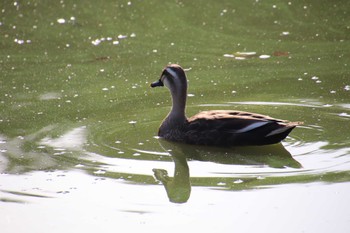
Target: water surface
[(78, 121)]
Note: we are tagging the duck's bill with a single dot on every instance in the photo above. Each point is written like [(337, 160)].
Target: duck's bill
[(158, 83)]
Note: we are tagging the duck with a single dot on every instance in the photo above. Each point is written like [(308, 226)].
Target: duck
[(227, 128)]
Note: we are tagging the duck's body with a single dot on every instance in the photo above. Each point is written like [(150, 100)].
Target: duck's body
[(217, 127)]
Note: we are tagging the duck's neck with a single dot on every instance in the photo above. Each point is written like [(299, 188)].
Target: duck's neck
[(177, 113)]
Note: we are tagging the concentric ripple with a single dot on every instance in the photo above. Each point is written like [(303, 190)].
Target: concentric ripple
[(128, 149), (317, 151)]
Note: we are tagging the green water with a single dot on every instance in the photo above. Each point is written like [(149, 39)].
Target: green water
[(78, 121)]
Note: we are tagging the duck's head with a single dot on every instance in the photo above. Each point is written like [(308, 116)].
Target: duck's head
[(173, 77)]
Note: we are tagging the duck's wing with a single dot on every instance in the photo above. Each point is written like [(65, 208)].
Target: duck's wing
[(225, 127), (231, 121)]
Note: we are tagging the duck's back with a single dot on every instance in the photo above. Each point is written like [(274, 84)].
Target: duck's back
[(234, 128)]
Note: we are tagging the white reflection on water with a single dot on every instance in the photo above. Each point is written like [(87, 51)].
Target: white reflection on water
[(57, 201), (72, 140)]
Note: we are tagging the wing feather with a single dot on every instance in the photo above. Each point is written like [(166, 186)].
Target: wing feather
[(230, 121), (223, 127)]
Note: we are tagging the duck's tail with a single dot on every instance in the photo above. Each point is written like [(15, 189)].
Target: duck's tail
[(285, 128)]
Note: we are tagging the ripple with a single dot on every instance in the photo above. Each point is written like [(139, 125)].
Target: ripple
[(319, 146), (317, 151)]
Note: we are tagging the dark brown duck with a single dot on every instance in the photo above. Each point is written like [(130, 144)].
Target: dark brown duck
[(216, 127)]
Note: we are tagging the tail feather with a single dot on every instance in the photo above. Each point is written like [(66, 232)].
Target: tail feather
[(284, 129)]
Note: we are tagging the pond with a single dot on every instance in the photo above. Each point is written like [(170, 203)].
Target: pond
[(78, 120)]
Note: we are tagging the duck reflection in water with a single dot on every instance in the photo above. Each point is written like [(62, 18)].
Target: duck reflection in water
[(178, 187)]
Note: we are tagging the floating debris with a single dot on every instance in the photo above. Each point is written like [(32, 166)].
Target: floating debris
[(240, 55), (245, 54), (96, 42), (229, 55), (21, 41), (103, 58), (280, 53), (264, 56), (122, 36), (61, 21), (110, 39), (240, 58)]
